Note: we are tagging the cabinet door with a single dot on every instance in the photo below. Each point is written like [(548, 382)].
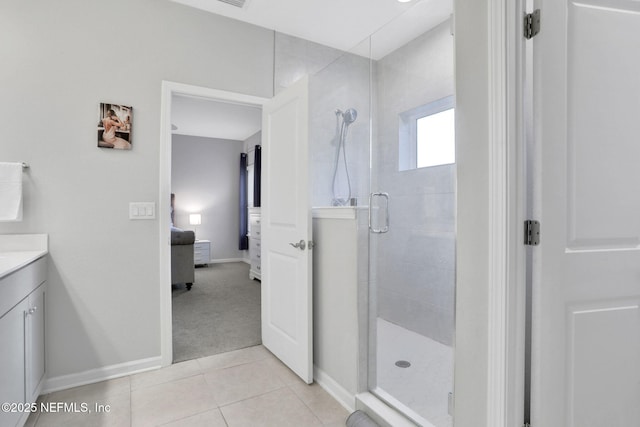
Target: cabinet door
[(12, 329), (35, 356)]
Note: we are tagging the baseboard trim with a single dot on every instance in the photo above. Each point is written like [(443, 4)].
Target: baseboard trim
[(342, 395), (101, 374), (225, 260)]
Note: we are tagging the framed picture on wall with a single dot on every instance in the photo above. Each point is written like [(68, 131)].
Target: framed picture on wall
[(114, 126)]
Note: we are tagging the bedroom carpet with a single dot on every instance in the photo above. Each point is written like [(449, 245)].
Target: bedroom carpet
[(220, 313)]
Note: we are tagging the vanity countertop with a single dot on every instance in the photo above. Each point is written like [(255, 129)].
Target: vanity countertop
[(19, 250)]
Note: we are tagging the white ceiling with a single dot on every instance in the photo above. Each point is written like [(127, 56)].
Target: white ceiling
[(204, 117), (341, 24)]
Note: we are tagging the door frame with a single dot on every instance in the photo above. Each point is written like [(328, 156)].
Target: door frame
[(507, 282), (169, 89)]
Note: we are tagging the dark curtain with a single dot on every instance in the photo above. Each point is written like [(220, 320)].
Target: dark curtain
[(257, 171), (244, 240)]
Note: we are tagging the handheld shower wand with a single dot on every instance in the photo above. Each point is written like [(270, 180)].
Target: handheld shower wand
[(348, 117)]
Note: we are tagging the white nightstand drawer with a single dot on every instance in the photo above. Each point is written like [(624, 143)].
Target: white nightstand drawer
[(201, 252)]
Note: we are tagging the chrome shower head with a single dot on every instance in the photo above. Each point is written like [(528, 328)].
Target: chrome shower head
[(349, 116)]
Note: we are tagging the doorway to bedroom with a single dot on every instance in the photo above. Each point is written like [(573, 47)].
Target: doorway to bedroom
[(215, 150)]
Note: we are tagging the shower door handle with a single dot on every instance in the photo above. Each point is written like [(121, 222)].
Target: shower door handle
[(384, 196)]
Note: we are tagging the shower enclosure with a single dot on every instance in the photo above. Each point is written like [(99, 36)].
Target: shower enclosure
[(412, 241), (382, 144)]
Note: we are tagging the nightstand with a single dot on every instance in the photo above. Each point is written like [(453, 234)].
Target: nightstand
[(201, 252)]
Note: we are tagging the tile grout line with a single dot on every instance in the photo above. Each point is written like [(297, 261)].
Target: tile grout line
[(248, 398), (166, 381), (305, 404), (194, 414)]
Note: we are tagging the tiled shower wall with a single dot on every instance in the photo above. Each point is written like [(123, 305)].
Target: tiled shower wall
[(342, 85), (415, 259), (338, 80)]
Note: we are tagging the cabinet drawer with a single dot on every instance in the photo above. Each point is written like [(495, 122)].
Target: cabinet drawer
[(201, 258), (201, 245), (202, 252), (254, 226), (254, 220), (256, 260), (254, 246)]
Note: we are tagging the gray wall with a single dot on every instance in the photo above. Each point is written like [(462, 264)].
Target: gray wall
[(205, 180), (60, 61), (250, 143), (415, 278)]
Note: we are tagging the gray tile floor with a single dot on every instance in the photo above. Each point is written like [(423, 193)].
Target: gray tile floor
[(248, 387)]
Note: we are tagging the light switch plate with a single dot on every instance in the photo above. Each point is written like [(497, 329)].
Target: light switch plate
[(142, 210)]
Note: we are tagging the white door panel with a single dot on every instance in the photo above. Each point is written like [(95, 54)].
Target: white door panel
[(286, 219), (586, 320), (603, 125)]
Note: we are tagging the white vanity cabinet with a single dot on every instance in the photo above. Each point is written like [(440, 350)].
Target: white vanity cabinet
[(22, 338)]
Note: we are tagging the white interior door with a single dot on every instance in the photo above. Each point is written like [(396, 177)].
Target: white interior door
[(586, 316), (286, 222)]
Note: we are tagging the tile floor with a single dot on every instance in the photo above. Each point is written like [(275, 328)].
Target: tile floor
[(248, 387)]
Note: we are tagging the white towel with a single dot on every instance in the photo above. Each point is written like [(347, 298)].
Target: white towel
[(10, 191)]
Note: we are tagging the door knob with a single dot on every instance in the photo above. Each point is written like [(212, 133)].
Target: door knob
[(300, 245)]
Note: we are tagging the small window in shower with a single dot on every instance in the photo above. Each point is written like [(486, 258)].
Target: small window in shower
[(427, 135), (435, 139)]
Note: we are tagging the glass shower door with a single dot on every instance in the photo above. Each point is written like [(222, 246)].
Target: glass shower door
[(412, 226)]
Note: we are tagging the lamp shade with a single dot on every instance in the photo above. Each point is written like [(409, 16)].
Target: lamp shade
[(195, 219)]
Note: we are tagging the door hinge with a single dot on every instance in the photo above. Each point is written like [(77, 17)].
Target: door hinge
[(531, 24), (531, 233)]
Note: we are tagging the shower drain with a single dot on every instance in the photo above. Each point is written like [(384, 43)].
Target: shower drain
[(403, 364)]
